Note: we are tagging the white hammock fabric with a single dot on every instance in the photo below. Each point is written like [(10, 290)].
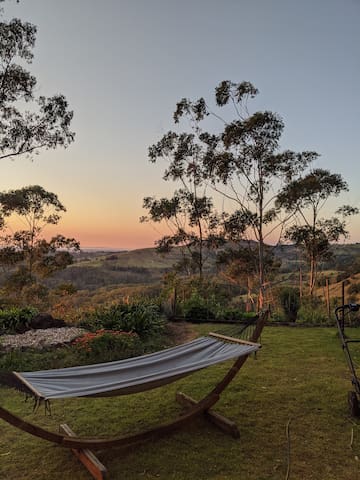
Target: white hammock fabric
[(134, 374)]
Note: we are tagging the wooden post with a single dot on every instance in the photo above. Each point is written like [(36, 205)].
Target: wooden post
[(86, 457), (174, 305), (343, 299), (328, 297)]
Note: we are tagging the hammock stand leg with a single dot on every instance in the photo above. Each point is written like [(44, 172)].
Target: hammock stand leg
[(223, 423), (86, 457)]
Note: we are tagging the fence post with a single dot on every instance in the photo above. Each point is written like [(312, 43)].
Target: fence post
[(343, 299), (328, 297)]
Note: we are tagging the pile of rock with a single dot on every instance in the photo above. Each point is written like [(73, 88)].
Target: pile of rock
[(39, 339), (44, 332)]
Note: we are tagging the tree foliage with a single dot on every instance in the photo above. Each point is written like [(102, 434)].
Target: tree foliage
[(241, 160), (189, 214), (26, 249), (314, 235), (193, 227), (28, 122)]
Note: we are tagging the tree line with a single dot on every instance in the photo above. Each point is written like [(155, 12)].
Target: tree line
[(236, 154), (218, 150), (29, 124)]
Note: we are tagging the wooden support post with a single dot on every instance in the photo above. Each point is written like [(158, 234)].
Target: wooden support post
[(343, 302), (226, 425), (86, 457), (328, 298)]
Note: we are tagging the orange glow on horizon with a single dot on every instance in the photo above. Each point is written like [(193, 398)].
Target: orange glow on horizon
[(133, 237)]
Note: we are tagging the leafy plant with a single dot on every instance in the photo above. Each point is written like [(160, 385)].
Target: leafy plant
[(233, 315), (16, 320), (198, 308), (290, 302), (199, 314), (141, 318), (312, 312), (109, 344)]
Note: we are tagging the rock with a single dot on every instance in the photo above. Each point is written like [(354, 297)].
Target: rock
[(39, 339), (45, 320)]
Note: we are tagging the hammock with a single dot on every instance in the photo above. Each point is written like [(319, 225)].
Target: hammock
[(135, 374)]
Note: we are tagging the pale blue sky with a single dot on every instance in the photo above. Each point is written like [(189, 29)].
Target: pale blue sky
[(123, 65)]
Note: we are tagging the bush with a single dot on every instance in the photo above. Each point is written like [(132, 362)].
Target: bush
[(142, 318), (109, 345), (16, 320), (199, 313), (290, 302), (234, 315), (66, 288), (312, 312), (354, 288), (199, 309)]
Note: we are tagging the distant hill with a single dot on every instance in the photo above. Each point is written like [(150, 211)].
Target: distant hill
[(94, 269)]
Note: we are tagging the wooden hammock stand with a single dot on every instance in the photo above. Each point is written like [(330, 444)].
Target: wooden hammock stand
[(81, 445)]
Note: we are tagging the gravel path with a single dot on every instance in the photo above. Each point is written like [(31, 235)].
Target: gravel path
[(44, 338)]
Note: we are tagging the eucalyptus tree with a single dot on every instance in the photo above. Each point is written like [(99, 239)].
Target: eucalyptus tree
[(28, 123), (190, 216), (306, 197), (34, 208), (241, 159), (192, 226)]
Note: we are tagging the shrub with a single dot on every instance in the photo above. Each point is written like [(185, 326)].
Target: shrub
[(197, 308), (354, 288), (199, 313), (290, 302), (66, 288), (109, 345), (141, 318), (312, 311), (234, 315), (16, 320)]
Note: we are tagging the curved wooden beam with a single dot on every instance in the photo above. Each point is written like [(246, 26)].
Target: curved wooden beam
[(92, 442)]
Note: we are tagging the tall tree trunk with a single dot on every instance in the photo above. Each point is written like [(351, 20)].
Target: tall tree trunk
[(261, 273), (312, 278), (261, 240)]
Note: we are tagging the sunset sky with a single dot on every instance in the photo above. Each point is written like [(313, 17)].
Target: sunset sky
[(123, 65)]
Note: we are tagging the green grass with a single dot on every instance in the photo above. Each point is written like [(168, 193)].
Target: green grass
[(299, 376)]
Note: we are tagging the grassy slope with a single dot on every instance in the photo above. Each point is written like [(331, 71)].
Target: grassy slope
[(300, 375), (146, 266)]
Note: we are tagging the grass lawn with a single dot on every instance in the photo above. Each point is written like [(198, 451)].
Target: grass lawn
[(299, 376)]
